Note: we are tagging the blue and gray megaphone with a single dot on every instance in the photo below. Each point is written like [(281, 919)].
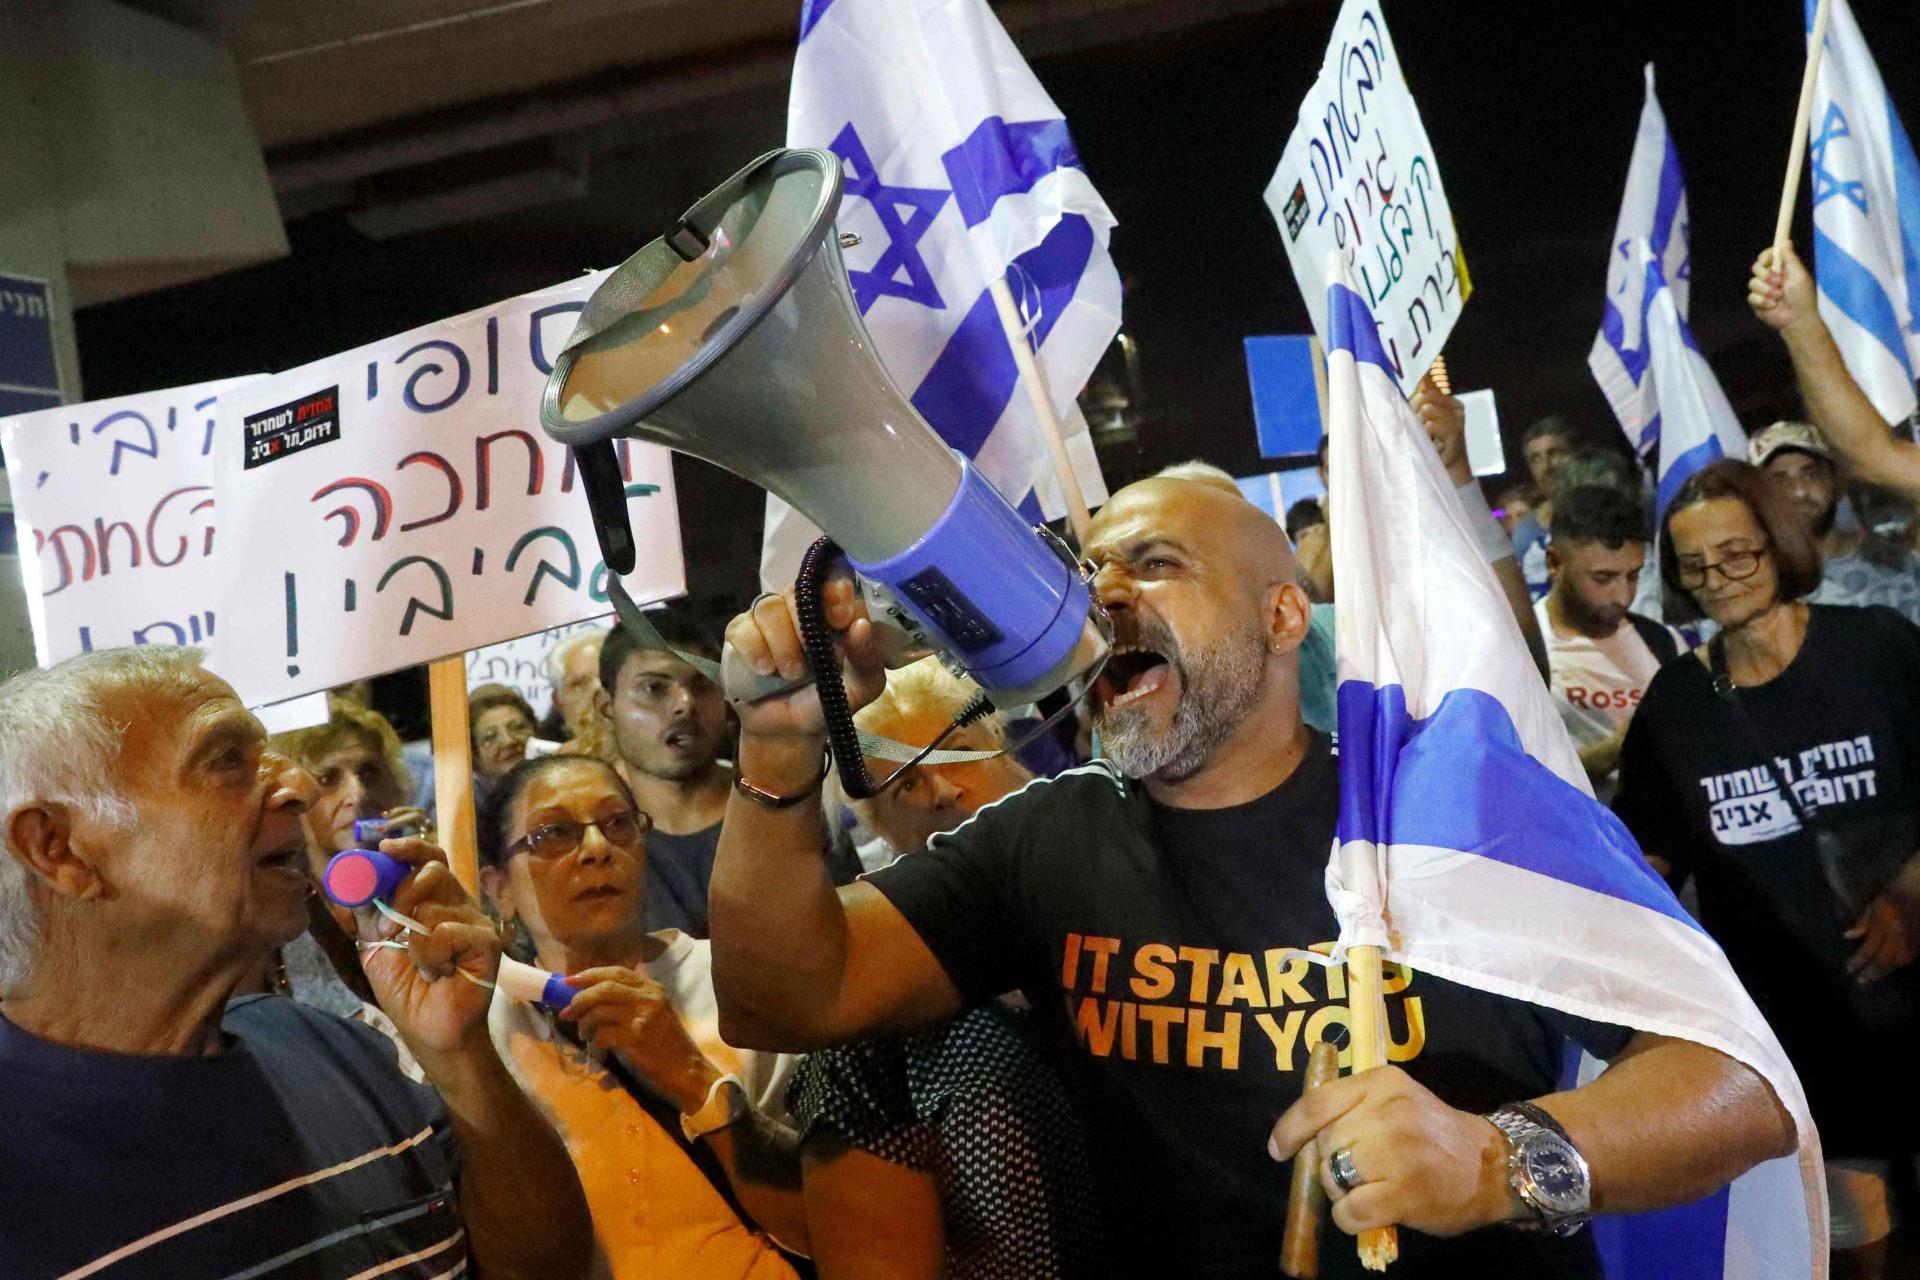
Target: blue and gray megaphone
[(735, 338)]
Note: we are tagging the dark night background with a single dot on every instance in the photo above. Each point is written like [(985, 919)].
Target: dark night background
[(1531, 107)]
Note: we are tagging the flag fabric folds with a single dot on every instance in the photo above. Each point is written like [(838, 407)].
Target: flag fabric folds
[(1866, 218), (1469, 843), (1653, 210), (959, 169), (1696, 424)]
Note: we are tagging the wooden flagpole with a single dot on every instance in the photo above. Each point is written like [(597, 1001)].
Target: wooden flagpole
[(1796, 154), (1367, 1047), (1034, 378), (453, 768)]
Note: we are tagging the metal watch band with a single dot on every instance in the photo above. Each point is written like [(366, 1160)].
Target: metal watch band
[(1542, 1117), (1521, 1121)]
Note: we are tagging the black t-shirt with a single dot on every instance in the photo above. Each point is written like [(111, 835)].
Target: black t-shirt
[(1153, 943), (1840, 724), (298, 1151), (679, 869)]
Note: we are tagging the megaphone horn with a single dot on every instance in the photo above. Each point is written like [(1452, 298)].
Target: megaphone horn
[(735, 338)]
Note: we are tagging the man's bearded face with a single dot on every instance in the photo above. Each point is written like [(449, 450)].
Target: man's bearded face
[(1164, 706)]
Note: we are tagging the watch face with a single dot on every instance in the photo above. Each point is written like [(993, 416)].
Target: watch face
[(1558, 1174)]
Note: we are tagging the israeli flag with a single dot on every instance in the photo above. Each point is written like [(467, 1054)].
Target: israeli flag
[(1695, 424), (959, 169), (1469, 843), (1653, 210), (1866, 218)]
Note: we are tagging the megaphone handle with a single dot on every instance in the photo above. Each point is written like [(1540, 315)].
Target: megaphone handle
[(743, 684), (607, 498)]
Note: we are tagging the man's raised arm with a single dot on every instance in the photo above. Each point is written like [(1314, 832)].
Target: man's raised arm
[(798, 964), (1784, 297)]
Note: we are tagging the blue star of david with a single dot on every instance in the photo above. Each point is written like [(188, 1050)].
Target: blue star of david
[(901, 258), (1825, 185)]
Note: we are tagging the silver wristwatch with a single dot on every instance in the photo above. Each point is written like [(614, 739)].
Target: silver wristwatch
[(1547, 1171)]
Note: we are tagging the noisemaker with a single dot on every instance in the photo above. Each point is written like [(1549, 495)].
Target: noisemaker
[(736, 339)]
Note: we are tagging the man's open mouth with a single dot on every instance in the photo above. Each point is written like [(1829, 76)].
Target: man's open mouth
[(292, 858), (1130, 675)]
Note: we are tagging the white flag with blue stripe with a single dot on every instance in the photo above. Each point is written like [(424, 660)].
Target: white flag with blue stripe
[(1654, 210), (1866, 218), (959, 169), (1693, 422), (1469, 842)]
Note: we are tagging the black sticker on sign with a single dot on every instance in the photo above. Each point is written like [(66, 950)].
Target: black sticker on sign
[(1296, 211), (957, 617), (273, 434)]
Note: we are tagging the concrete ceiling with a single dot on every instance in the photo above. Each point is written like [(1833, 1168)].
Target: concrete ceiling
[(422, 113)]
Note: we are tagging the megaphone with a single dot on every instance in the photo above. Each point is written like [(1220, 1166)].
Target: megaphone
[(735, 338)]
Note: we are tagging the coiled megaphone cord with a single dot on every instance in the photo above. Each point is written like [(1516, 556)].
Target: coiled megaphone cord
[(816, 638)]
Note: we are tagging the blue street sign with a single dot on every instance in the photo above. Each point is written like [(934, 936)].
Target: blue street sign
[(29, 374)]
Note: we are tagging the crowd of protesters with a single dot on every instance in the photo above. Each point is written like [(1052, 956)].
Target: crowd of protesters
[(1035, 1013)]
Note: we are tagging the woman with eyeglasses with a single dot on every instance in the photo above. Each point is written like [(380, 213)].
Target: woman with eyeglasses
[(1778, 765), (673, 1131)]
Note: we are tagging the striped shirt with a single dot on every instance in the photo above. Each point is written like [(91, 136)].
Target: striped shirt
[(298, 1151)]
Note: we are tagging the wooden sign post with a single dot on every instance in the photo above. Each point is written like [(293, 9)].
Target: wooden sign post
[(453, 768)]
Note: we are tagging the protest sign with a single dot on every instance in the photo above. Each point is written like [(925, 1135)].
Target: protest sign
[(1486, 451), (1288, 378), (1358, 177), (521, 664), (114, 502), (400, 503)]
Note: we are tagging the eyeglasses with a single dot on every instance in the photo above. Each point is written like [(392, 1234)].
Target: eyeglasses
[(558, 839), (1735, 566)]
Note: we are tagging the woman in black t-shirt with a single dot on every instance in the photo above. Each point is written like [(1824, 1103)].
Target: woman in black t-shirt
[(1779, 766)]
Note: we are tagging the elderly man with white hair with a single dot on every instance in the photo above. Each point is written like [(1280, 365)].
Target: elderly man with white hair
[(154, 855), (577, 718)]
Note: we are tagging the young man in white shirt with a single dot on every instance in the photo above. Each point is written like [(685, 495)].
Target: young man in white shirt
[(1601, 656)]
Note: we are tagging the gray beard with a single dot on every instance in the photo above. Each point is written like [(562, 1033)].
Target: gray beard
[(1219, 686)]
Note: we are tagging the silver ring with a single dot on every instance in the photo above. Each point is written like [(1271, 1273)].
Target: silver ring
[(764, 595), (1341, 1169)]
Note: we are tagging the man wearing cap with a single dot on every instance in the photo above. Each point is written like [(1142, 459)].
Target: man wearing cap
[(1859, 569)]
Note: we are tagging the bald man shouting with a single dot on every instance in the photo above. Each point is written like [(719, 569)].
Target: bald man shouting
[(1154, 908)]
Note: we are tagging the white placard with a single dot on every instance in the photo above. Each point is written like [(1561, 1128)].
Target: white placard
[(521, 664), (302, 712), (114, 501), (1358, 177), (400, 502), (1486, 452)]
